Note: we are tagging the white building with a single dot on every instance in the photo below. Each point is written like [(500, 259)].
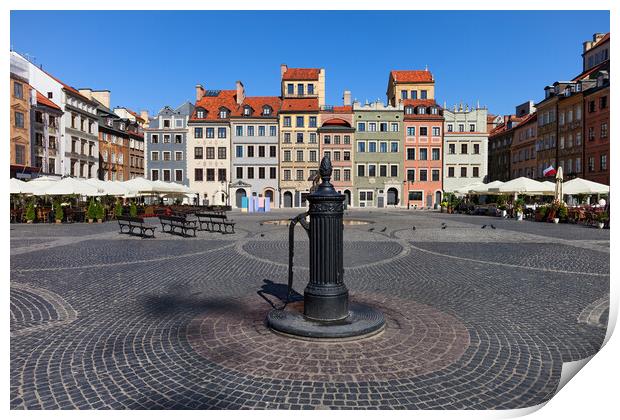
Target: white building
[(465, 147), (79, 143)]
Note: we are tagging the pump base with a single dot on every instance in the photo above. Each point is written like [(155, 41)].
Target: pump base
[(362, 321)]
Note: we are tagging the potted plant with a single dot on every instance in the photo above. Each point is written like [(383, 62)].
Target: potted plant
[(541, 213), (602, 219), (118, 208), (91, 212), (519, 206), (30, 213), (133, 210), (444, 205), (100, 212), (562, 212), (58, 211)]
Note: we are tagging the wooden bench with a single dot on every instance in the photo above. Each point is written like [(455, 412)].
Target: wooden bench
[(177, 222), (133, 223), (215, 222)]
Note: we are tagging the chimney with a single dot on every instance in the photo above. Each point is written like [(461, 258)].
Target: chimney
[(283, 69), (240, 93), (88, 92), (102, 96), (200, 91), (144, 115), (346, 98)]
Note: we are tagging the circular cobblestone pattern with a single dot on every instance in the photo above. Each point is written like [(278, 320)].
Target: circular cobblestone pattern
[(422, 341)]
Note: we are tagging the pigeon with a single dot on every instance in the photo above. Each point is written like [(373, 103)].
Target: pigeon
[(444, 226), (371, 229), (262, 234), (383, 230), (261, 223), (492, 227), (413, 227), (483, 226)]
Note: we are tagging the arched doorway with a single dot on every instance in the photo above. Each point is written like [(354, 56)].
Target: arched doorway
[(392, 196), (288, 199), (239, 194), (269, 194), (437, 198), (347, 194)]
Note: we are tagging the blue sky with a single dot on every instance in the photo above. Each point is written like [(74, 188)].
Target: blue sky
[(152, 59)]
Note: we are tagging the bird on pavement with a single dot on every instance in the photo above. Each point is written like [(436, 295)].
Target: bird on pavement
[(262, 234), (492, 227), (383, 230), (444, 226), (483, 226), (413, 227), (371, 229), (261, 223)]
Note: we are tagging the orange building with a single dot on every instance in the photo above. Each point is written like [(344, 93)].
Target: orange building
[(20, 126)]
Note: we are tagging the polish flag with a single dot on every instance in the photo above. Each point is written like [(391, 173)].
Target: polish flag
[(550, 171)]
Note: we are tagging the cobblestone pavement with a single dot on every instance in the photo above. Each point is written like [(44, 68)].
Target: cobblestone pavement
[(476, 318)]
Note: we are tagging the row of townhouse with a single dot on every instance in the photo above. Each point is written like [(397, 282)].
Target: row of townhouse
[(57, 130), (568, 128), (405, 153)]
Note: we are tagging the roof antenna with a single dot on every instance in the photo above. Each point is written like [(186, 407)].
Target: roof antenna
[(426, 67)]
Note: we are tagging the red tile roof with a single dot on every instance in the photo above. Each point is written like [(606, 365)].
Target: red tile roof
[(336, 121), (212, 104), (134, 114), (342, 109), (301, 74), (257, 103), (587, 73), (419, 102), (412, 76), (43, 100), (301, 104)]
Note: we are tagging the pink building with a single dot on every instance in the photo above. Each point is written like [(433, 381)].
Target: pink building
[(336, 139), (423, 131)]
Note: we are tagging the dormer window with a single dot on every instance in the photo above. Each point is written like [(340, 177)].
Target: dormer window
[(109, 122), (200, 113), (247, 111), (408, 110), (434, 111), (122, 126), (266, 110), (223, 113), (421, 110)]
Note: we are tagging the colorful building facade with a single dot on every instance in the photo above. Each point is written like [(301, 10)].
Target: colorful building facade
[(21, 98)]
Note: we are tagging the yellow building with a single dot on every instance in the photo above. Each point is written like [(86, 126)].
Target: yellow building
[(410, 84), (20, 124)]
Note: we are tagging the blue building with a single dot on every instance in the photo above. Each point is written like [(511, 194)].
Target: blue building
[(166, 145)]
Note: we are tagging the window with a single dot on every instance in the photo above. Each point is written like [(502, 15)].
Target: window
[(223, 113), (300, 138), (451, 149), (421, 110), (250, 130), (602, 102), (383, 170), (198, 174), (394, 147), (578, 138), (261, 151), (178, 139), (463, 149), (210, 174), (299, 122), (423, 94), (415, 195), (221, 153), (476, 149), (287, 122), (300, 175), (383, 147), (198, 153), (410, 153), (312, 122), (272, 151), (261, 130), (287, 156), (347, 156), (166, 123), (394, 126), (261, 173), (300, 88), (178, 123), (167, 157), (383, 127), (411, 131), (463, 171), (287, 174), (167, 175), (603, 130), (361, 147), (475, 172), (590, 133), (239, 130), (198, 132), (435, 153), (591, 106), (239, 151), (200, 113), (18, 90), (290, 88), (423, 175), (347, 139), (451, 172), (372, 170), (312, 137), (372, 147), (272, 130), (403, 94), (272, 172), (361, 170), (154, 138), (361, 126), (603, 162), (472, 127), (299, 155), (461, 127), (423, 131), (435, 174), (393, 170), (436, 131), (372, 126), (312, 155), (336, 139), (178, 175), (154, 174), (20, 154), (166, 138), (19, 119), (250, 173), (178, 155), (591, 164), (336, 155), (221, 132), (239, 172), (450, 128), (423, 153), (287, 137), (410, 175), (327, 139), (210, 152), (310, 89)]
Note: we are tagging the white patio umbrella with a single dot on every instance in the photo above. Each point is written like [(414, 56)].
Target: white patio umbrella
[(526, 186), (37, 185), (16, 186), (108, 187), (559, 179), (489, 188), (583, 186), (139, 186), (467, 188), (69, 186)]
